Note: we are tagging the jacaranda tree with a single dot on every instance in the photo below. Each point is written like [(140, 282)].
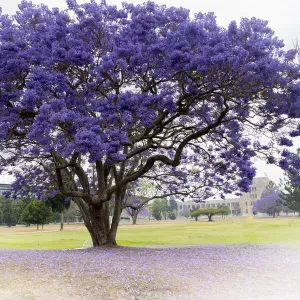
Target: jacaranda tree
[(271, 202), (94, 98)]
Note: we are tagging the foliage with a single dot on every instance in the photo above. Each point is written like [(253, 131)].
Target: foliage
[(58, 203), (9, 214), (136, 207), (157, 207), (137, 198), (172, 216), (210, 212), (37, 212), (195, 213), (291, 195), (271, 202), (95, 97), (173, 206), (160, 208), (291, 187)]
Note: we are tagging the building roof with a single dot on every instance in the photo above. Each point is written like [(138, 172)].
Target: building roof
[(4, 186)]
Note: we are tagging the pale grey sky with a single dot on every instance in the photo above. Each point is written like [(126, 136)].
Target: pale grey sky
[(283, 17)]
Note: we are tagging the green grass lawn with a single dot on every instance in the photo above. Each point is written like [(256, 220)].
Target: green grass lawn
[(162, 233)]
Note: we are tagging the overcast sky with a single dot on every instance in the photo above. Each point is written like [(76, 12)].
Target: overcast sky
[(283, 17)]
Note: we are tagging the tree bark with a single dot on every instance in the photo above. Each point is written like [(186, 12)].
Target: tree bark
[(98, 228), (209, 218), (62, 220), (119, 196), (134, 220)]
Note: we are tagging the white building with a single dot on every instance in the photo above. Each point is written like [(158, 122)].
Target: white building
[(4, 187), (242, 205)]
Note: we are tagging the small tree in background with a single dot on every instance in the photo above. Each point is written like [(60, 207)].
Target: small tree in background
[(9, 217), (59, 203), (225, 208), (37, 212), (172, 216), (158, 207), (195, 214), (271, 202), (291, 187), (210, 212), (135, 207)]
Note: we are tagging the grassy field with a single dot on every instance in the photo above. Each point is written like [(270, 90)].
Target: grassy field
[(163, 233)]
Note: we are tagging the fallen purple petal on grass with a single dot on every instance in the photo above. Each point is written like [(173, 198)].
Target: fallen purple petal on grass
[(154, 273)]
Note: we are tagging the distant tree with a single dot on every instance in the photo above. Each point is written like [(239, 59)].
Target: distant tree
[(37, 212), (137, 198), (158, 209), (172, 216), (173, 206), (195, 214), (291, 194), (59, 203), (210, 212), (271, 202), (10, 217), (224, 211), (165, 208), (136, 207), (225, 208)]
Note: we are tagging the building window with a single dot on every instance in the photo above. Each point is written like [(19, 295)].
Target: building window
[(207, 205), (203, 205), (189, 206), (246, 211), (193, 206), (198, 205), (246, 204), (213, 205), (180, 207), (228, 204)]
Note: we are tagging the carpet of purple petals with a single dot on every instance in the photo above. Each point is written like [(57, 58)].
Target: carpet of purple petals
[(202, 272)]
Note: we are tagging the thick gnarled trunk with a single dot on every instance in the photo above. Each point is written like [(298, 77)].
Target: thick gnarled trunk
[(96, 220)]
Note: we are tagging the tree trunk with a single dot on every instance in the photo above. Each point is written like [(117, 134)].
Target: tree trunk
[(209, 218), (37, 226), (119, 196), (98, 228), (62, 220), (96, 220), (134, 218)]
